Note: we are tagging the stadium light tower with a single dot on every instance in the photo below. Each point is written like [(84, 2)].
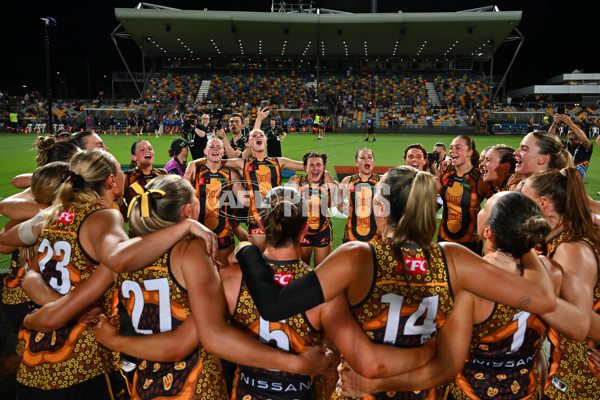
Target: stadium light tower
[(48, 23)]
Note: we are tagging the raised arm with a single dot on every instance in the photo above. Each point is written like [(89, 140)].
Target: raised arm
[(261, 114)]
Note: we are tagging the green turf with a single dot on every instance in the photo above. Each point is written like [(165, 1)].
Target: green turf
[(16, 156)]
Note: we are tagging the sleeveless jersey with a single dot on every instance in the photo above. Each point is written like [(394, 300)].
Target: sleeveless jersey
[(570, 376), (292, 335), (405, 307), (214, 192), (69, 355), (12, 293), (501, 363), (157, 303), (462, 202), (361, 223), (319, 201), (260, 176)]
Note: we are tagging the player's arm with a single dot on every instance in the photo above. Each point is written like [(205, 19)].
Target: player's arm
[(342, 205), (22, 181), (120, 254), (238, 189), (236, 164), (222, 339), (289, 164), (452, 348), (171, 346), (58, 312), (261, 114), (369, 359)]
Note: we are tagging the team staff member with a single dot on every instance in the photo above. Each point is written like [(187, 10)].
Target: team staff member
[(179, 151), (462, 190), (356, 199), (215, 186), (200, 133), (259, 173), (318, 189), (275, 135)]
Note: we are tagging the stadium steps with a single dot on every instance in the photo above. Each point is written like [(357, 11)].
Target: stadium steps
[(203, 91), (433, 94)]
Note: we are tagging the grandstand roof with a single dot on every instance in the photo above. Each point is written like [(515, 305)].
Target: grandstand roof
[(163, 33)]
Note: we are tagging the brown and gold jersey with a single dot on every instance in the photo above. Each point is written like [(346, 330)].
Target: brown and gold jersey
[(318, 200), (501, 363), (292, 335), (406, 306), (462, 196), (213, 189), (361, 224), (570, 375), (69, 355), (260, 176), (157, 303), (12, 293)]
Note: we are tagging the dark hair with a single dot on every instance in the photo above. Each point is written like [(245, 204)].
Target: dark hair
[(361, 149), (507, 155), (550, 144), (237, 115), (416, 146), (133, 164), (50, 150), (313, 154), (518, 223), (565, 189), (283, 214), (471, 146), (78, 138), (440, 144), (412, 200)]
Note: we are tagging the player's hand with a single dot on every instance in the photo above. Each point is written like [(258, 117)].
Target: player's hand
[(105, 332), (198, 230), (90, 315), (313, 360), (350, 383), (262, 113)]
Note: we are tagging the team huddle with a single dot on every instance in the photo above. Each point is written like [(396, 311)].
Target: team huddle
[(463, 315)]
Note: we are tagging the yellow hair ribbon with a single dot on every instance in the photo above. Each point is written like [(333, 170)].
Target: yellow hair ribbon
[(143, 196)]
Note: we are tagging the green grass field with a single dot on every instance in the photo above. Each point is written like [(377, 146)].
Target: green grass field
[(17, 156)]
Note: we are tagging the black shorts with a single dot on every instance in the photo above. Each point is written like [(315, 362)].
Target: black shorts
[(319, 239)]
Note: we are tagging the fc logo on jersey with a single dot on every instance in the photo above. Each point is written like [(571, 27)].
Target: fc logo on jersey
[(415, 265), (282, 278), (65, 217)]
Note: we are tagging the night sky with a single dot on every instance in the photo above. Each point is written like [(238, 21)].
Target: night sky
[(557, 39)]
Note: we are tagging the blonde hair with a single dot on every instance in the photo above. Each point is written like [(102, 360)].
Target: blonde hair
[(413, 206), (84, 184), (164, 210)]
